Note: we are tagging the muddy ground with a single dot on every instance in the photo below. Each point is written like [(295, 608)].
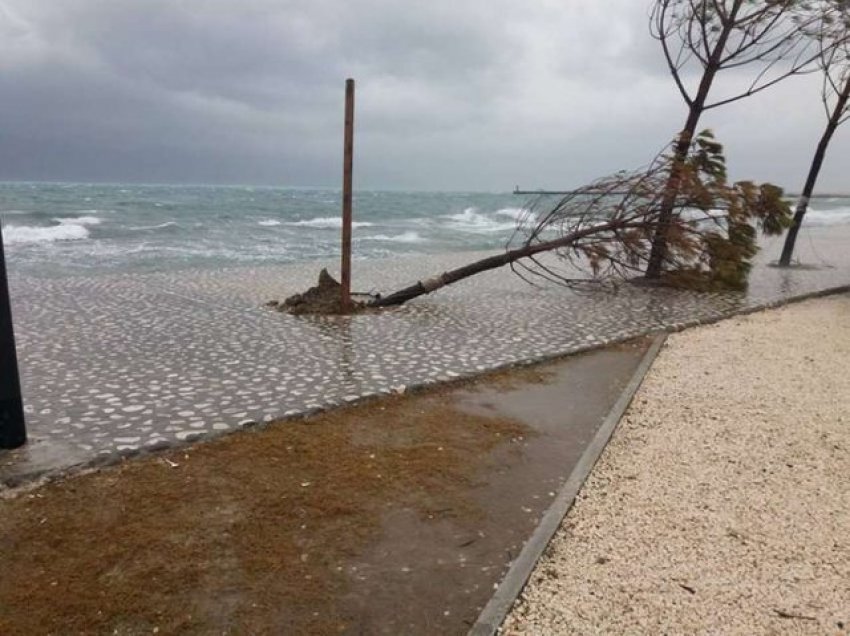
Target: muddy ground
[(394, 516)]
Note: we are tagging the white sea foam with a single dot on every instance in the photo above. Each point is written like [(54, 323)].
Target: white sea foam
[(471, 220), (404, 237), (328, 222), (268, 223), (72, 228), (836, 216), (18, 234), (159, 226), (513, 213), (78, 220)]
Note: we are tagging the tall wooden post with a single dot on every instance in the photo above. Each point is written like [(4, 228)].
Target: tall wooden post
[(347, 165), (13, 431)]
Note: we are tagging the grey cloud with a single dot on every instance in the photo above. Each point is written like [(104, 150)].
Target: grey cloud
[(464, 94)]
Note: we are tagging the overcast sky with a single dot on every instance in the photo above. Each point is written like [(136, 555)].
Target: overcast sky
[(451, 94)]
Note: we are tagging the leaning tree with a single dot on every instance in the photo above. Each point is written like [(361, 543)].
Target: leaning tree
[(602, 232), (834, 62), (760, 42)]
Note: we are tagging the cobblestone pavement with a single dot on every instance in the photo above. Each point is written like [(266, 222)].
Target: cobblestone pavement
[(115, 364)]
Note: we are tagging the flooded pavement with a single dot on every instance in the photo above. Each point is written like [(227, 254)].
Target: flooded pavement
[(114, 365), (432, 574), (394, 516)]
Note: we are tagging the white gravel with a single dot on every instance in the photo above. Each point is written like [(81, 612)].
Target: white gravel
[(722, 504)]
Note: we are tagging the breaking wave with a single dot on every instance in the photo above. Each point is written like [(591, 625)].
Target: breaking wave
[(513, 213), (18, 234), (78, 220), (159, 226), (404, 237), (328, 222), (837, 216), (471, 220), (67, 229)]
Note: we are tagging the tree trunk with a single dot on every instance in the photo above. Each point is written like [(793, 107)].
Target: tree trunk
[(658, 251), (811, 179), (493, 262)]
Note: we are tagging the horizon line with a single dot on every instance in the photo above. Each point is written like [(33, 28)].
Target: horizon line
[(187, 184)]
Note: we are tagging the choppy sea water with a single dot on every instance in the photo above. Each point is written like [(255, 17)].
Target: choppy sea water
[(59, 229)]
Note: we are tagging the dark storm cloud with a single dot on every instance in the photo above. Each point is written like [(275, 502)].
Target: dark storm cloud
[(466, 94)]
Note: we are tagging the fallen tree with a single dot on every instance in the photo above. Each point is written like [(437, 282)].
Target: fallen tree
[(605, 230), (511, 256), (602, 234)]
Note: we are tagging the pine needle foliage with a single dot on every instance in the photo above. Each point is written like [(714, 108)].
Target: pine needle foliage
[(712, 235)]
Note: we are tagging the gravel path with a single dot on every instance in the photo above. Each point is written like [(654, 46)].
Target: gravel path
[(722, 504)]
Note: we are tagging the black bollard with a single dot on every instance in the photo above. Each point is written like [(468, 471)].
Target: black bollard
[(13, 432)]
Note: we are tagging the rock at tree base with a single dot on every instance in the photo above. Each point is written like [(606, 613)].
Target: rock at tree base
[(323, 299)]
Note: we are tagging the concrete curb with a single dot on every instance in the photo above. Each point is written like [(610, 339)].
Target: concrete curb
[(520, 570)]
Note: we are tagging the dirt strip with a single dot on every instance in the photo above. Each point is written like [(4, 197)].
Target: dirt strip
[(722, 504)]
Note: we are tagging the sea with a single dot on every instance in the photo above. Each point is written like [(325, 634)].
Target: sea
[(61, 229)]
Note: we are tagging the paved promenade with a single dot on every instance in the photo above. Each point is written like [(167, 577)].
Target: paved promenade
[(115, 364)]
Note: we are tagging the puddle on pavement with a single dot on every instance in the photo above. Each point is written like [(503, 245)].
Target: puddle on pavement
[(396, 516), (433, 573)]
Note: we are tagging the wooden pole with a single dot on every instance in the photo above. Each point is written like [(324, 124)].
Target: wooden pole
[(347, 165), (13, 431)]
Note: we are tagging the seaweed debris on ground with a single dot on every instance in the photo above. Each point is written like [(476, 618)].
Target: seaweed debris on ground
[(324, 299)]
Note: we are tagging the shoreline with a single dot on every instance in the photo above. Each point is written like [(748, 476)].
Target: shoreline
[(116, 365), (810, 235)]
